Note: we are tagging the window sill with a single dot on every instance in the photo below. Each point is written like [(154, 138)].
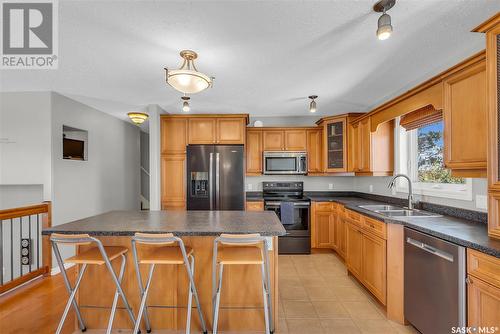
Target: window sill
[(464, 194)]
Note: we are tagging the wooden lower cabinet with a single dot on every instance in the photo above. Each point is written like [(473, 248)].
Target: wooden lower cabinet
[(374, 269), (354, 250), (483, 290), (366, 258), (324, 229), (340, 242), (254, 206), (328, 227)]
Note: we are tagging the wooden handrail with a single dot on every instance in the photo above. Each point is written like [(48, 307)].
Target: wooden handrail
[(24, 211)]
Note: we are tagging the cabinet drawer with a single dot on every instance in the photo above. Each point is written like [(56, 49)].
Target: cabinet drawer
[(483, 266), (323, 206), (353, 217), (255, 206), (375, 227)]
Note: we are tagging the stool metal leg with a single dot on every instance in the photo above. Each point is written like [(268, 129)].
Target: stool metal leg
[(190, 299), (117, 282), (268, 289), (217, 299), (141, 288), (265, 297), (144, 296), (194, 292), (115, 299), (71, 299), (71, 291)]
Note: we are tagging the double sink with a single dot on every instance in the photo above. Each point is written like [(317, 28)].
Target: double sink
[(397, 211)]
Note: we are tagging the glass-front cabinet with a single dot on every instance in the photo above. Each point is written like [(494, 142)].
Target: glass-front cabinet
[(334, 144)]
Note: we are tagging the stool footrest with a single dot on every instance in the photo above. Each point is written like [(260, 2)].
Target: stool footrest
[(169, 306), (241, 307)]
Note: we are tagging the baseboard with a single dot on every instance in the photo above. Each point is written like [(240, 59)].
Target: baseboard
[(57, 270)]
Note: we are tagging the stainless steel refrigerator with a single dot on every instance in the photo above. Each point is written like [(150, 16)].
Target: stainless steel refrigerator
[(215, 177)]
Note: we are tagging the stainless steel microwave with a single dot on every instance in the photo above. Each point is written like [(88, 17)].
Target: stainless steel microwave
[(283, 162)]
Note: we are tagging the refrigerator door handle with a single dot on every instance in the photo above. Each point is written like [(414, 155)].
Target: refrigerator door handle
[(211, 182), (217, 180)]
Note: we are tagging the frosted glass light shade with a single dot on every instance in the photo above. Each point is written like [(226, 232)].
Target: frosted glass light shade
[(188, 81)]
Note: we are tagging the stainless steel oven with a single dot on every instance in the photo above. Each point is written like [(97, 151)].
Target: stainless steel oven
[(292, 208), (282, 162)]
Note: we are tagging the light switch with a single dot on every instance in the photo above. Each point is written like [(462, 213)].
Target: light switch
[(330, 186), (371, 188), (482, 202), (250, 186)]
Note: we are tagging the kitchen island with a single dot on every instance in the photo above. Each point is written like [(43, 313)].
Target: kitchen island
[(198, 229)]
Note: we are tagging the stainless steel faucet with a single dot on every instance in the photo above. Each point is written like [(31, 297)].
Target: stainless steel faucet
[(410, 189)]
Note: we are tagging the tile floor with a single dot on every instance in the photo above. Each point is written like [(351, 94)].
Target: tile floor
[(317, 296)]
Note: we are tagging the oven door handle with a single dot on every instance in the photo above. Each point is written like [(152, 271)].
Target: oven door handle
[(296, 204)]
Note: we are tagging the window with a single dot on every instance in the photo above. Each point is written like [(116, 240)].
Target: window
[(421, 157)]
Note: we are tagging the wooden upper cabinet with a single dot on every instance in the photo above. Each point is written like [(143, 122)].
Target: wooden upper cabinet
[(202, 130), (373, 151), (231, 130), (352, 148), (173, 178), (254, 151), (314, 150), (492, 30), (465, 120), (173, 135), (274, 140), (295, 140)]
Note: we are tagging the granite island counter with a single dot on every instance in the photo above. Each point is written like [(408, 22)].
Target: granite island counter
[(198, 229)]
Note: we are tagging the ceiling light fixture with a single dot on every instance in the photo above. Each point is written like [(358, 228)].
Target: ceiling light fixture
[(384, 29), (185, 104), (312, 105), (187, 79), (137, 117)]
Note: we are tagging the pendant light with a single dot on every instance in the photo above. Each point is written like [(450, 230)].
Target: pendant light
[(137, 117), (187, 79), (185, 104), (384, 29), (312, 104)]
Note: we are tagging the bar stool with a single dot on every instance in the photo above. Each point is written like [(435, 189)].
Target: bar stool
[(94, 256), (164, 254), (241, 249)]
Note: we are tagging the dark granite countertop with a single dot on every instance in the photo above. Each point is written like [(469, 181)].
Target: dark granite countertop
[(460, 231), (181, 223)]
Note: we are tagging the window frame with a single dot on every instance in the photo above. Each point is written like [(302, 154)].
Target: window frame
[(406, 146)]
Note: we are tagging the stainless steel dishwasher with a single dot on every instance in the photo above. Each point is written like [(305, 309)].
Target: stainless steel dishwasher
[(434, 281)]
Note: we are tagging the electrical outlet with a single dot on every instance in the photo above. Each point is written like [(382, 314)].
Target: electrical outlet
[(250, 186), (393, 190), (370, 188), (482, 202), (330, 186)]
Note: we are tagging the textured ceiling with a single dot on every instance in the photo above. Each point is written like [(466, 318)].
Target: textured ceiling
[(266, 56)]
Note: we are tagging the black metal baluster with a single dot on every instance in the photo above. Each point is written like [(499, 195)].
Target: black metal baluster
[(31, 245), (11, 251), (37, 242), (20, 237)]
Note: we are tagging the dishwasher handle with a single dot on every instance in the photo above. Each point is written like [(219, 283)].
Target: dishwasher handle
[(430, 249)]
